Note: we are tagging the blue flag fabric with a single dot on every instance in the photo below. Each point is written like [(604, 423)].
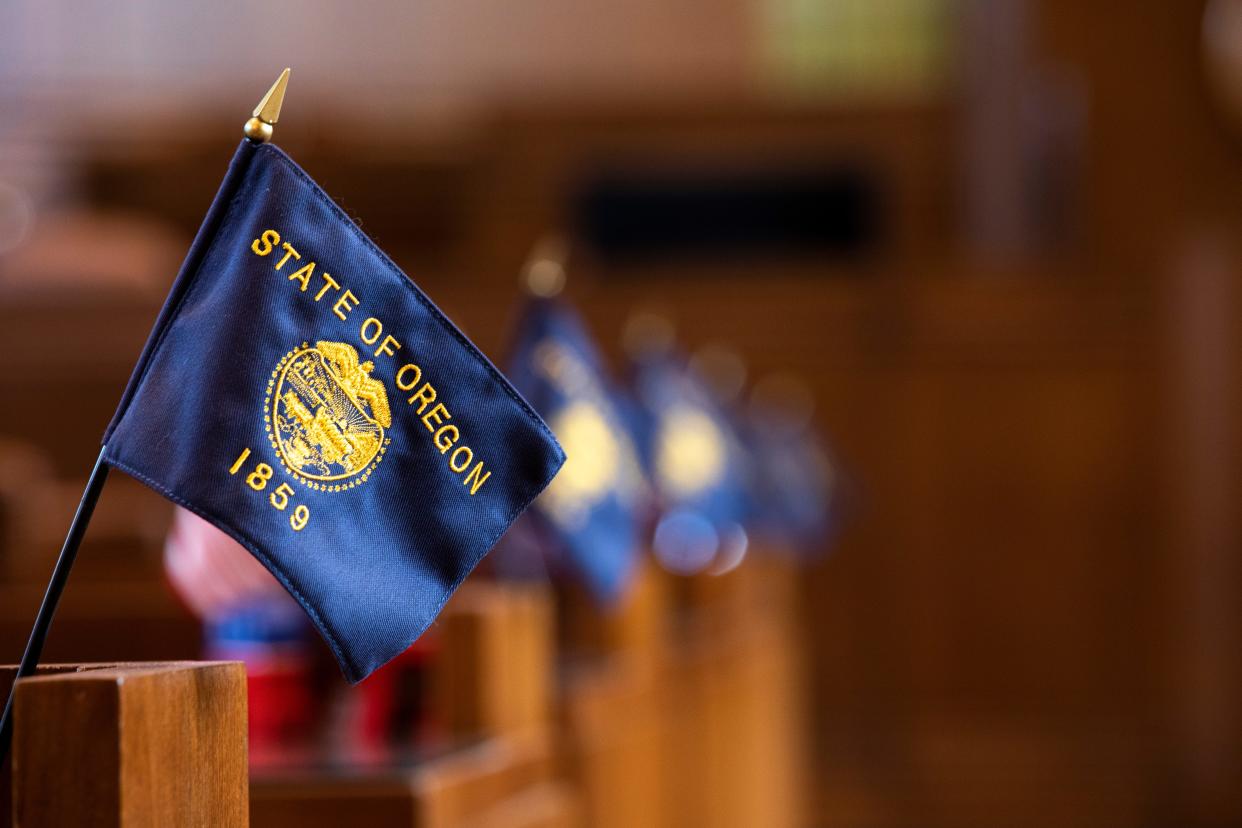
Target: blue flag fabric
[(302, 394), (694, 461), (797, 492), (590, 511)]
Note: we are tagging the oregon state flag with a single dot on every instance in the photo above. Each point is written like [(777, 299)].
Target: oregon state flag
[(695, 463), (301, 393), (589, 515)]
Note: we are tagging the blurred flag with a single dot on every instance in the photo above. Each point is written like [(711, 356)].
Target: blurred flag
[(590, 511), (302, 394), (695, 464), (798, 491), (212, 573), (721, 372), (271, 638)]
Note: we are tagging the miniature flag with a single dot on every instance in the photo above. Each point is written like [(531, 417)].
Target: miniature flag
[(589, 513), (696, 466), (302, 394), (213, 574), (799, 492)]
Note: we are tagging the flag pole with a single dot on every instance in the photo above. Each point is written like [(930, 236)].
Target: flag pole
[(56, 586), (257, 129)]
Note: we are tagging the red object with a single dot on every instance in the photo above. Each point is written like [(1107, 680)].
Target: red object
[(391, 705)]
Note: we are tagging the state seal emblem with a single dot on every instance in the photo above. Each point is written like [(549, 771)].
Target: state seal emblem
[(326, 416), (592, 466)]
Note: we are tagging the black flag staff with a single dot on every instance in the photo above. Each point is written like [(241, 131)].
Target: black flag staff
[(259, 130)]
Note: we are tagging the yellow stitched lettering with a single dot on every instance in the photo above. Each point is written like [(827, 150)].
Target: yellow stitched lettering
[(418, 374), (427, 394), (445, 442), (237, 464), (259, 477), (303, 276), (439, 414), (477, 476), (289, 251), (458, 453), (263, 244), (435, 416), (379, 327), (388, 347), (343, 305), (331, 283)]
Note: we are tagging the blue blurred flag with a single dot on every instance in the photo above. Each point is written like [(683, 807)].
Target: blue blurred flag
[(302, 394), (797, 490), (695, 464), (590, 510)]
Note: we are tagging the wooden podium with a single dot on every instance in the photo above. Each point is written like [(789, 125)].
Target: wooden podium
[(138, 745)]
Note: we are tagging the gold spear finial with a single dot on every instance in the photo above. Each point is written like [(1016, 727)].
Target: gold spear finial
[(265, 115)]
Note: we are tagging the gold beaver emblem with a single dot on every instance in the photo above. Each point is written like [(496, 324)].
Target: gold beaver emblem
[(327, 415)]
